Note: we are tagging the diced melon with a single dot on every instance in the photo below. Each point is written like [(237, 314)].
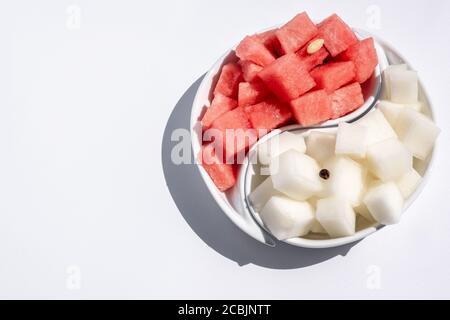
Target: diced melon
[(346, 100), (249, 70), (390, 110), (251, 93), (408, 183), (261, 194), (312, 108), (251, 48), (351, 140), (337, 34), (296, 33), (320, 145), (404, 86), (218, 107), (286, 218), (229, 79), (336, 216), (387, 78), (378, 127), (385, 203), (270, 40), (317, 228), (280, 144), (364, 56), (269, 114), (417, 132), (333, 75), (223, 175)]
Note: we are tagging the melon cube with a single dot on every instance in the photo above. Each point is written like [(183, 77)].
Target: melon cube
[(333, 75), (269, 114), (336, 216), (408, 183), (296, 33), (312, 60), (378, 127), (253, 49), (286, 218), (220, 105), (385, 203), (320, 145), (270, 40), (337, 34), (389, 160), (280, 144), (346, 100), (229, 79), (404, 86), (417, 132), (222, 174), (351, 140), (390, 110), (312, 108), (261, 194), (287, 78), (364, 56), (249, 70), (251, 93), (387, 78), (296, 175)]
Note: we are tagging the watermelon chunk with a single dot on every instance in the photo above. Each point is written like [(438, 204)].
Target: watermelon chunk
[(222, 174), (346, 100), (251, 93), (311, 61), (269, 114), (219, 106), (332, 76), (270, 40), (296, 33), (312, 108), (229, 79), (253, 49), (287, 78), (338, 36), (249, 70), (364, 56)]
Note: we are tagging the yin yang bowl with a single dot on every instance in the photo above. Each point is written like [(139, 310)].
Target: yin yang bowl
[(234, 202)]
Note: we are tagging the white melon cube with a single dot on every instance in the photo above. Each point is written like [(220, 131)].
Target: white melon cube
[(387, 79), (378, 127), (320, 145), (351, 140), (286, 218), (296, 175), (385, 203), (280, 144), (336, 216), (390, 110), (389, 160), (261, 194), (346, 179), (417, 132), (408, 183), (404, 86)]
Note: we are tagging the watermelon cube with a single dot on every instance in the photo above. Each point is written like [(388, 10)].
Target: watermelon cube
[(229, 79), (346, 100), (269, 114), (287, 78), (364, 56), (312, 108), (296, 33), (270, 40), (251, 93), (312, 60), (249, 70), (253, 49), (222, 174), (338, 36), (219, 106), (332, 76)]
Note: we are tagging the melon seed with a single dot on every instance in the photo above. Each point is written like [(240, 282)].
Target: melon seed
[(324, 174), (315, 46)]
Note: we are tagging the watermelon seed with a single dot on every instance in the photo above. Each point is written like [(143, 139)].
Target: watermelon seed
[(315, 46), (324, 174)]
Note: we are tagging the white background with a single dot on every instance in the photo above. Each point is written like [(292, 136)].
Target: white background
[(87, 204)]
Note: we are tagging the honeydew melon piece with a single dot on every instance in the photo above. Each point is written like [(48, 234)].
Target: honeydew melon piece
[(385, 203), (389, 160), (408, 183), (417, 132), (261, 194), (346, 180), (378, 127), (296, 175), (280, 144), (336, 216), (387, 79), (351, 140), (320, 145), (404, 86), (287, 218)]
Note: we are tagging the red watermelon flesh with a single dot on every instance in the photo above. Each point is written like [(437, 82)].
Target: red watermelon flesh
[(251, 93), (229, 79), (346, 100), (269, 114), (296, 33), (332, 76), (364, 56), (338, 36), (287, 78), (222, 174), (312, 108), (311, 61), (249, 70), (270, 40), (219, 106), (253, 49)]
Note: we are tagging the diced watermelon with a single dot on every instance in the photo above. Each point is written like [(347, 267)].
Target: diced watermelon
[(249, 70), (311, 61), (312, 108), (269, 114), (253, 49), (287, 78), (296, 33), (219, 106), (346, 100), (251, 93), (222, 174), (337, 34), (333, 75), (364, 56), (229, 79), (270, 40)]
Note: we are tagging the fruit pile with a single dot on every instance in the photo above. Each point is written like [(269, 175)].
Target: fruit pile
[(320, 184), (299, 73)]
